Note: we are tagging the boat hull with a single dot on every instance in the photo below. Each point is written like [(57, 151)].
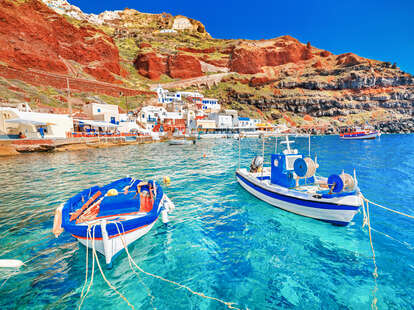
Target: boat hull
[(371, 135), (338, 212), (112, 247)]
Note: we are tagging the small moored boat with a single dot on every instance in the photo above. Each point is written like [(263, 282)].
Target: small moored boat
[(357, 133), (114, 214), (291, 184), (181, 142)]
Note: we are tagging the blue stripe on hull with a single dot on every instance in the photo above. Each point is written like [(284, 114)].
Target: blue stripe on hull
[(298, 201)]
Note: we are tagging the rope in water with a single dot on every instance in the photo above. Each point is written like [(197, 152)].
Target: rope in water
[(95, 257), (226, 303), (367, 222), (82, 297), (152, 297)]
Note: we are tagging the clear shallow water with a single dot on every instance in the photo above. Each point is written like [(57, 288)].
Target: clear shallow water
[(220, 240)]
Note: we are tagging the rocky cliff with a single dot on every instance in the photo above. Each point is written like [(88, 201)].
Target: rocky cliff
[(32, 36), (266, 78)]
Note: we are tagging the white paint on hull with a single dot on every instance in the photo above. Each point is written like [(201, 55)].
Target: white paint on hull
[(344, 216), (116, 244)]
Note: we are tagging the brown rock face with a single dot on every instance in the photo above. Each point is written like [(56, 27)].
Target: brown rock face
[(179, 66), (34, 36), (348, 59), (150, 65), (251, 57), (184, 66)]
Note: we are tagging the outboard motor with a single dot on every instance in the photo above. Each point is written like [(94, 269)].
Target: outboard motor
[(257, 164)]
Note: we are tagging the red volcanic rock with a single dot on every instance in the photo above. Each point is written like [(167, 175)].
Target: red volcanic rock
[(144, 45), (348, 59), (244, 81), (179, 66), (247, 61), (251, 59), (222, 62), (184, 66), (101, 74), (317, 65), (151, 65), (34, 36), (325, 54), (227, 50), (260, 80), (194, 50)]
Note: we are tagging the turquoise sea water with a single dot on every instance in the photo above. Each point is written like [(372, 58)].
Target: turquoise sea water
[(220, 240)]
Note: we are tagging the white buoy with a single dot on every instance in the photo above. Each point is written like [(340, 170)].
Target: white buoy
[(10, 263)]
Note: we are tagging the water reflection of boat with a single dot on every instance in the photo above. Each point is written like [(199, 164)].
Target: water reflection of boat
[(106, 217), (291, 183)]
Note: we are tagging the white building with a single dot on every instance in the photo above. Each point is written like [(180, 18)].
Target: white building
[(248, 123), (168, 31), (165, 96), (33, 125), (210, 105), (102, 112), (222, 120)]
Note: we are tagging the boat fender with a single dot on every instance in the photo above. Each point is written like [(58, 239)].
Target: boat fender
[(166, 180), (112, 192), (10, 263), (57, 222)]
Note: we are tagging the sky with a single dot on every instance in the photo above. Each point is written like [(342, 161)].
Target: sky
[(381, 29)]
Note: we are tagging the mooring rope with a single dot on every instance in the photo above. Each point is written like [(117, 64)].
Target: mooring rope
[(103, 275), (82, 297), (152, 298), (391, 210), (226, 303), (367, 222), (95, 256)]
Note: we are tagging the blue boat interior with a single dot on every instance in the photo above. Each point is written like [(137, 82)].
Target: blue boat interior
[(120, 204)]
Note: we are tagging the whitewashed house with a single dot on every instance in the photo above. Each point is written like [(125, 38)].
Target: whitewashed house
[(102, 112), (210, 105), (15, 123)]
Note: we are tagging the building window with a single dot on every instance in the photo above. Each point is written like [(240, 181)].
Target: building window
[(99, 110)]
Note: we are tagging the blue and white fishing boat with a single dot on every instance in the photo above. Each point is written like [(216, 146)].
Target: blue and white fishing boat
[(291, 184), (113, 216)]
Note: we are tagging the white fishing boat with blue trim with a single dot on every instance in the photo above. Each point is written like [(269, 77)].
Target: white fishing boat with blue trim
[(111, 217), (291, 184)]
